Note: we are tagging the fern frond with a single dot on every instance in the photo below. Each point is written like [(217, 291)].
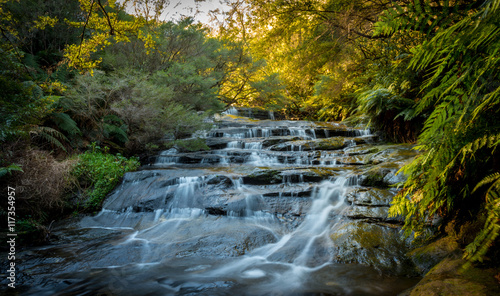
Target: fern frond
[(51, 135), (489, 141), (110, 130), (66, 123), (9, 169), (476, 250)]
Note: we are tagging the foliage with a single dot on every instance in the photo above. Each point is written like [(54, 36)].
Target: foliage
[(314, 47), (104, 23), (22, 103), (85, 111), (9, 169), (460, 134), (484, 240), (40, 28), (99, 172)]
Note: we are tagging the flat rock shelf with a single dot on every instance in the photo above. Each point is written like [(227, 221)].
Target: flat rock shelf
[(274, 208)]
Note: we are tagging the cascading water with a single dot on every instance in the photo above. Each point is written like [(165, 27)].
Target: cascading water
[(263, 213)]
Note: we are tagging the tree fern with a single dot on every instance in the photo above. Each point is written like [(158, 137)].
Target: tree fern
[(110, 131), (460, 98)]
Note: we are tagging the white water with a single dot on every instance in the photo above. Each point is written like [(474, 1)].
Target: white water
[(244, 145), (287, 263), (168, 157)]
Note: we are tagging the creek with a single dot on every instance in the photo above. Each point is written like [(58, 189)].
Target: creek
[(273, 208)]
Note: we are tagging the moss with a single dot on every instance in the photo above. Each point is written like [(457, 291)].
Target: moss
[(375, 178), (371, 244), (428, 256), (448, 278), (263, 177), (330, 144), (188, 145)]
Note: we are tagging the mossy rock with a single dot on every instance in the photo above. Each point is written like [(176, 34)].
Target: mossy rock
[(448, 278), (364, 212), (329, 144), (399, 153), (371, 197), (220, 180), (375, 178), (263, 177), (428, 256), (310, 145), (371, 244), (382, 176), (188, 145)]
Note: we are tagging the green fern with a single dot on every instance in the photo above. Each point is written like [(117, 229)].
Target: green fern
[(416, 15), (476, 250), (9, 169), (53, 136), (461, 100), (65, 123), (110, 131)]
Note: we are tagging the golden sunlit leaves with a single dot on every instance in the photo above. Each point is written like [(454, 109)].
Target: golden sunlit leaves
[(105, 26), (45, 21), (148, 40), (80, 55)]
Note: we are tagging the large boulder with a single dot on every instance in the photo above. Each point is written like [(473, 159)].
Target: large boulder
[(376, 245)]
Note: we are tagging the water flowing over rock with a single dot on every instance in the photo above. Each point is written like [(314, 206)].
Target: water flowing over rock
[(274, 208)]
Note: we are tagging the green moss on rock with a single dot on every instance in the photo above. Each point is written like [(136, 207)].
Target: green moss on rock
[(428, 256), (448, 278), (263, 177)]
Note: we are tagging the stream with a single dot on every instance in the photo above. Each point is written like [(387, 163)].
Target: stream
[(273, 208)]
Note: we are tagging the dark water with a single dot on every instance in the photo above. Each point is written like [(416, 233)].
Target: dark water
[(257, 215)]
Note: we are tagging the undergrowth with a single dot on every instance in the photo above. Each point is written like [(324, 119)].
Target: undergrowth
[(98, 173)]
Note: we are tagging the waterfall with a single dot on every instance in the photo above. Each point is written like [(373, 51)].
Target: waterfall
[(268, 210)]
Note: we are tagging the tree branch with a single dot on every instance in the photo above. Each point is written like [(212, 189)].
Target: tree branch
[(111, 29)]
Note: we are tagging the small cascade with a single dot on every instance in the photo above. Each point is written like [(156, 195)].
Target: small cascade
[(168, 157), (291, 261), (365, 132), (244, 145), (231, 111), (260, 159), (304, 133), (185, 195)]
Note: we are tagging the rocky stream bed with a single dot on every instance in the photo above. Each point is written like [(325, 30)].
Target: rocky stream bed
[(273, 208)]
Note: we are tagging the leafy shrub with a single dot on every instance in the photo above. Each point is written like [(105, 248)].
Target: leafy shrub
[(98, 173)]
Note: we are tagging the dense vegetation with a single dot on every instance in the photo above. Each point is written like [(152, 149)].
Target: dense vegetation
[(75, 73)]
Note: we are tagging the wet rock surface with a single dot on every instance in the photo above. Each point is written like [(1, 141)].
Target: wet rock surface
[(298, 205)]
